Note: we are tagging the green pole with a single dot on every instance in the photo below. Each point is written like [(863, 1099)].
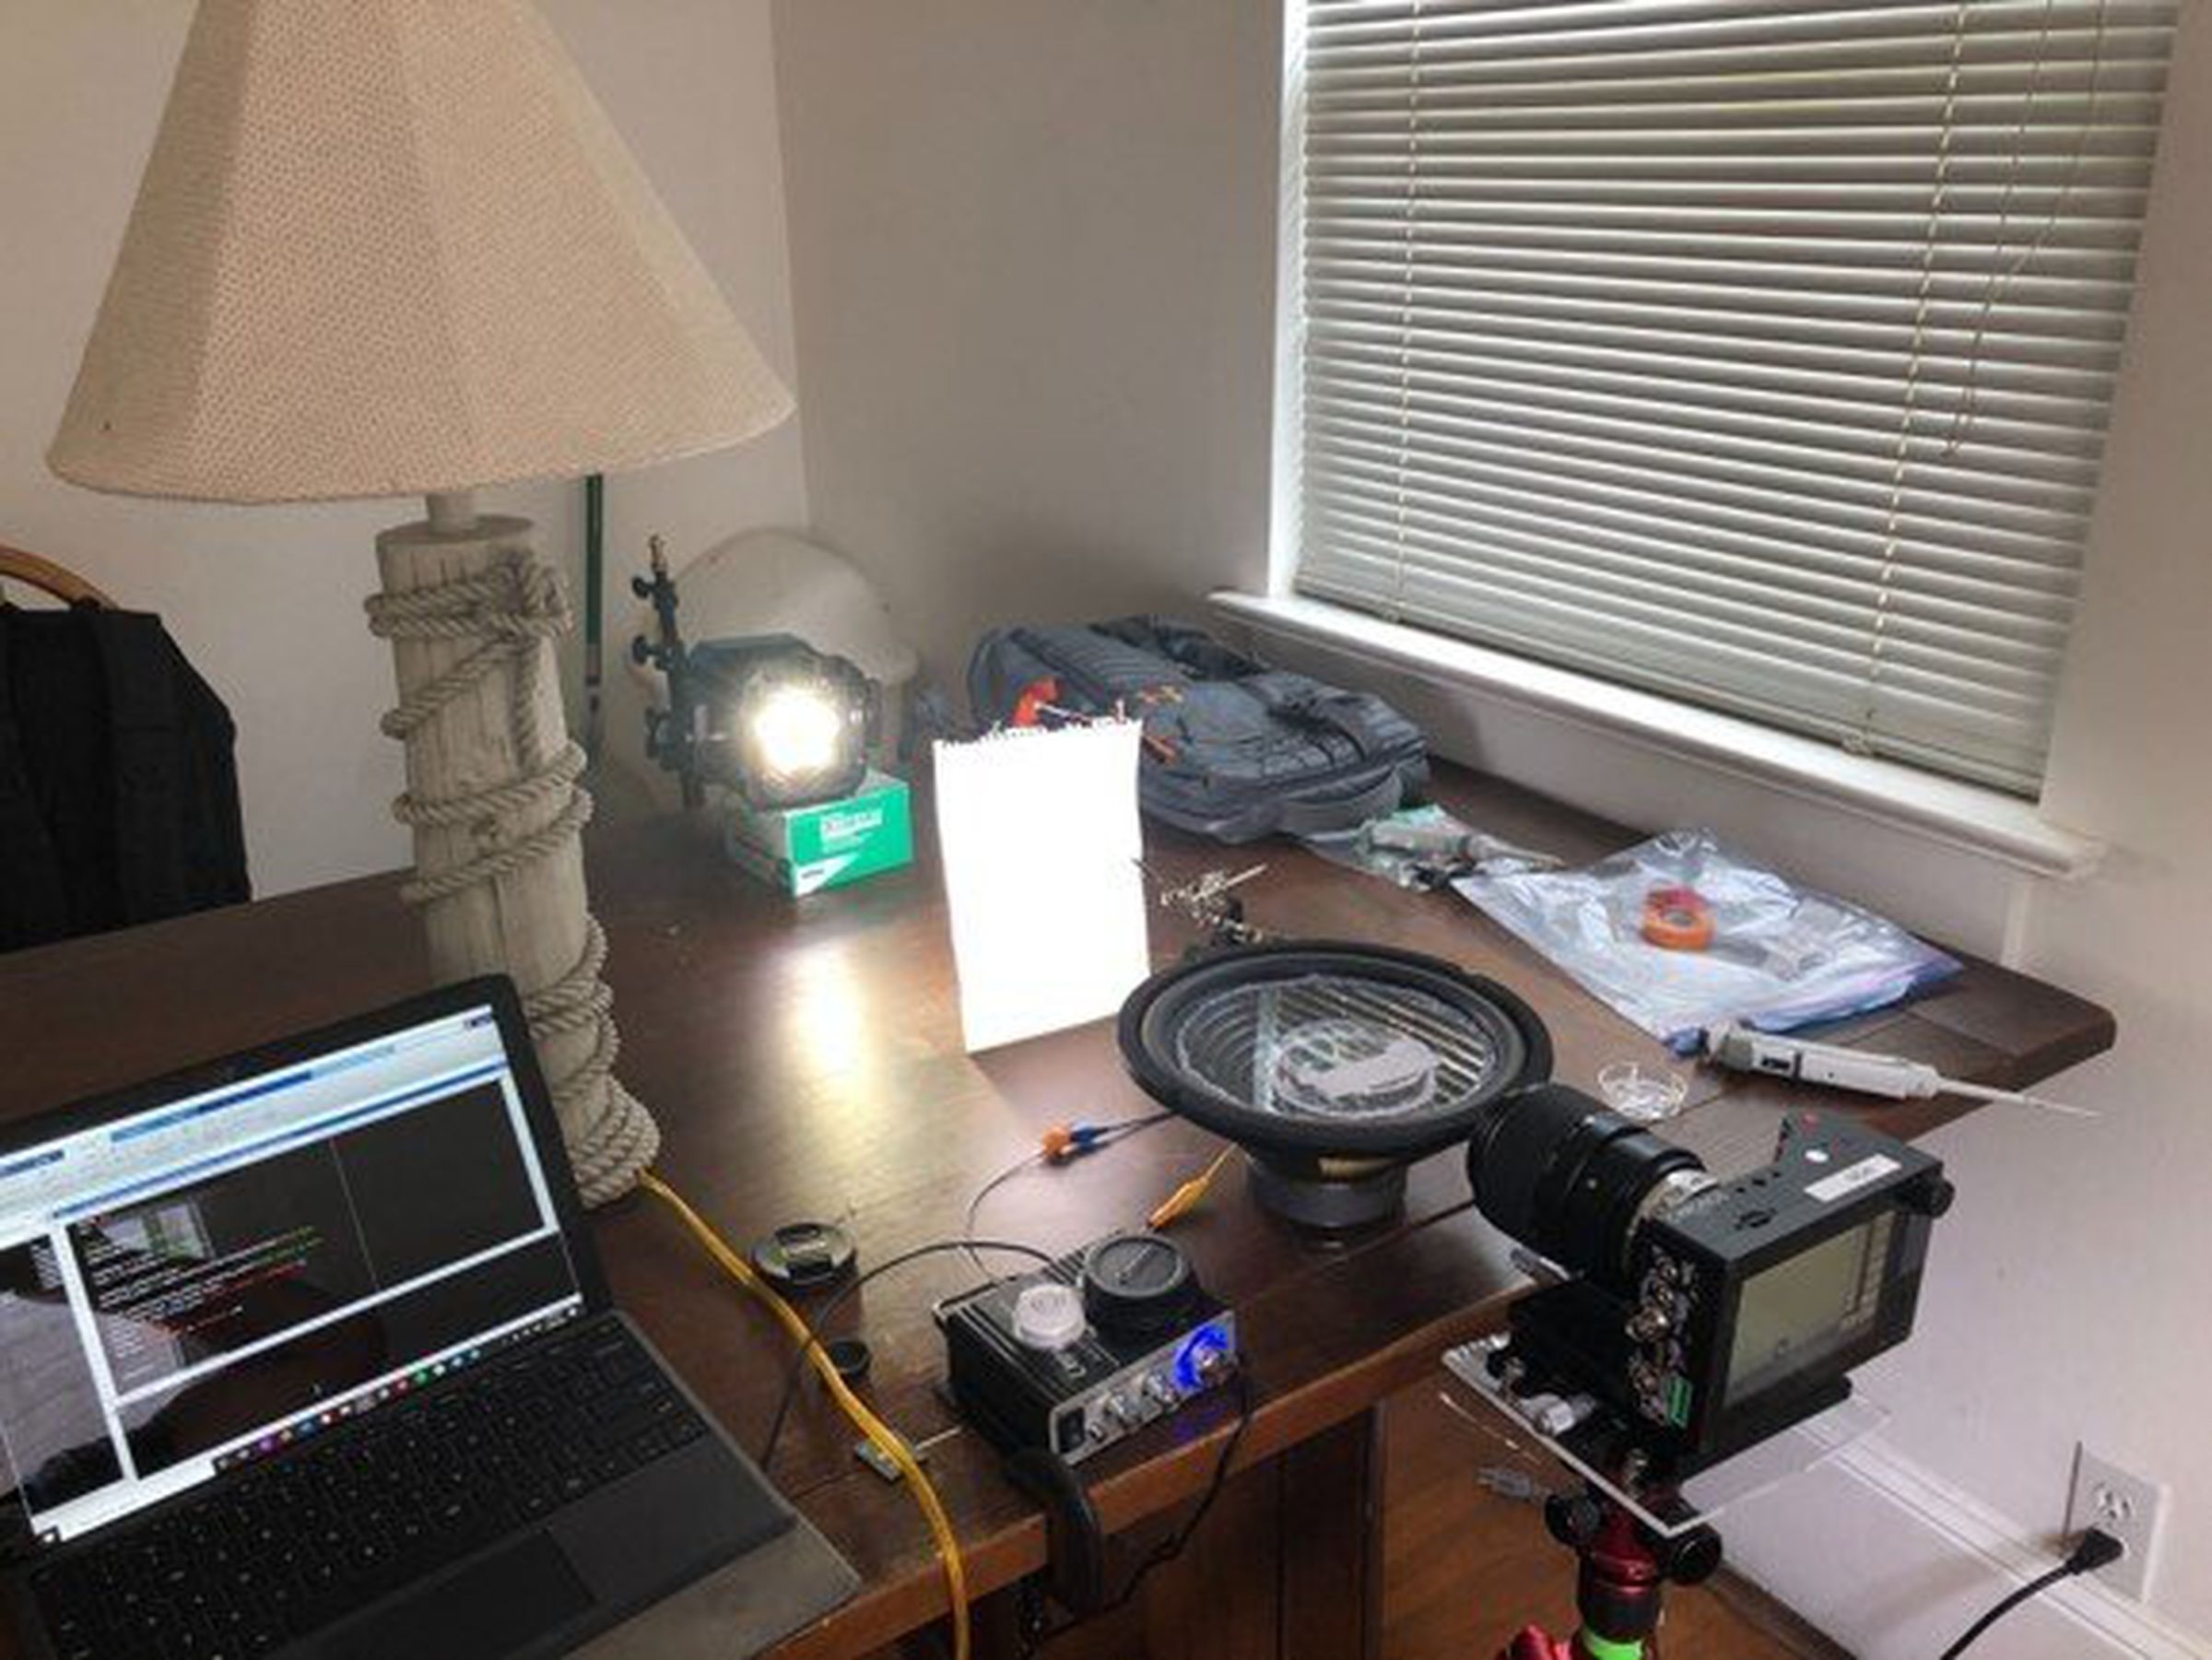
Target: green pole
[(594, 577)]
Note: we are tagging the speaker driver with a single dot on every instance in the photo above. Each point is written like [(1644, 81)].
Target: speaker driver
[(1332, 1065)]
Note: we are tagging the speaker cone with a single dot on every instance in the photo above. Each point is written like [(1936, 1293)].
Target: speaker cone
[(1332, 1065)]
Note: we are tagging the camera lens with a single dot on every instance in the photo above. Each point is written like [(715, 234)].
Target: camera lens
[(1567, 1176)]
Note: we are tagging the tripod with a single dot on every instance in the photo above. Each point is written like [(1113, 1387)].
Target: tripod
[(1625, 1567)]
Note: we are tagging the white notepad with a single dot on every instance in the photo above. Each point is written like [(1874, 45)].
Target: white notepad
[(1041, 840)]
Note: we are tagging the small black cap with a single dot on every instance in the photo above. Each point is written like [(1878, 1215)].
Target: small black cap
[(850, 1355), (805, 1256)]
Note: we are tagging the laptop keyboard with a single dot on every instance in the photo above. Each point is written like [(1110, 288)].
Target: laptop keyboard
[(272, 1554)]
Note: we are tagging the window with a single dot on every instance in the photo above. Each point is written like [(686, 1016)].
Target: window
[(1755, 354)]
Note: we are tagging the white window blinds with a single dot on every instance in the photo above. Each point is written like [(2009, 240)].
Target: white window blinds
[(1756, 354)]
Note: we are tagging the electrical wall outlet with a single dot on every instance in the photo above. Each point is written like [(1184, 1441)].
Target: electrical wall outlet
[(2124, 1504)]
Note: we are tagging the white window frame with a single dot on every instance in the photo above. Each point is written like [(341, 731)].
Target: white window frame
[(1957, 813)]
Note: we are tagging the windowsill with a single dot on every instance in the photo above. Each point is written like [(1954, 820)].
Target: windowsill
[(1961, 815)]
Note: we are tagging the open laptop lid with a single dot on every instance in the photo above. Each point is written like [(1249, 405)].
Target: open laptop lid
[(206, 1269)]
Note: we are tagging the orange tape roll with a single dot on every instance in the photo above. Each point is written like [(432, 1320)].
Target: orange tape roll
[(1678, 919)]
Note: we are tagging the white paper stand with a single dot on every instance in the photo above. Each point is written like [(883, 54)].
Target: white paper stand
[(1041, 840)]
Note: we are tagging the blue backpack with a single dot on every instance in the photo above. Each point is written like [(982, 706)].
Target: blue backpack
[(1232, 750)]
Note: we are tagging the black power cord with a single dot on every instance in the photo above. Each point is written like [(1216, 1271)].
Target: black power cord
[(2095, 1550), (1168, 1549), (796, 1368)]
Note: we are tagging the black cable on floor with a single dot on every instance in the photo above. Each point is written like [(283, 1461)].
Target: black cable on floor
[(2092, 1552)]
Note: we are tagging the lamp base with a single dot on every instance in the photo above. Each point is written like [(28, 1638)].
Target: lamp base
[(492, 798)]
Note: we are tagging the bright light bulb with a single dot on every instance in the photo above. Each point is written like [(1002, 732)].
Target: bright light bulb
[(795, 731)]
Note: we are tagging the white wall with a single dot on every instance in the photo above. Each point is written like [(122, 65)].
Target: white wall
[(267, 601), (2071, 1300), (1033, 246)]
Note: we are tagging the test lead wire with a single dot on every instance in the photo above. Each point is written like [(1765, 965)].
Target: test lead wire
[(1185, 1198)]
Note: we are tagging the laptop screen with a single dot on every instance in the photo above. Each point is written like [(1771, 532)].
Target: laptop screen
[(207, 1282)]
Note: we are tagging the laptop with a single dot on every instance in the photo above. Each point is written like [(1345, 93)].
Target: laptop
[(307, 1353)]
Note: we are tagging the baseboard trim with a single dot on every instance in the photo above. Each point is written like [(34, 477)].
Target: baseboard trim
[(1893, 1562), (1768, 1614)]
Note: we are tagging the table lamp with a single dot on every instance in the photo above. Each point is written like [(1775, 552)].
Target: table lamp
[(394, 247)]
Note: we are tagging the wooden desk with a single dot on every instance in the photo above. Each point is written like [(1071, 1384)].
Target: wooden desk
[(804, 1060)]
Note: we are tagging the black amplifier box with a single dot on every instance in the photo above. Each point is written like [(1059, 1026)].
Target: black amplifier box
[(1095, 1346)]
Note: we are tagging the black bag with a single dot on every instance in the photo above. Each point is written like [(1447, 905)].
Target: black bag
[(118, 791), (1232, 750)]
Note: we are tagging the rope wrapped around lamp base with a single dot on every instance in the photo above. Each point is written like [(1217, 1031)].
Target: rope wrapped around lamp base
[(500, 622)]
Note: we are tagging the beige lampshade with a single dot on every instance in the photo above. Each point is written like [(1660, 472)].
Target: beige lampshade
[(394, 247)]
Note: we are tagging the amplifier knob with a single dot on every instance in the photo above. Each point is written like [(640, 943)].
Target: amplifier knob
[(1048, 1316), (1139, 1287), (1205, 1360)]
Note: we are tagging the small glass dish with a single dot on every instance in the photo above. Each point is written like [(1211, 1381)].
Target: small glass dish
[(1644, 1093)]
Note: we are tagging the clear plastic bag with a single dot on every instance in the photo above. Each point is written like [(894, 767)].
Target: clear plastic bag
[(1746, 945)]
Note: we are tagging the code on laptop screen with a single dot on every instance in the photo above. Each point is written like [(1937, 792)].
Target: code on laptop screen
[(207, 1282)]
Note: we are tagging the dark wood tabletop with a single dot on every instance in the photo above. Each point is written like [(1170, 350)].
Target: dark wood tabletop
[(804, 1060)]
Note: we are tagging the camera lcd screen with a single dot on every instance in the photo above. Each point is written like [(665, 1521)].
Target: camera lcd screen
[(1803, 1310)]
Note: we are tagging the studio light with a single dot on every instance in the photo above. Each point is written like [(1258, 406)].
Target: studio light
[(785, 731), (771, 717), (796, 723), (795, 731)]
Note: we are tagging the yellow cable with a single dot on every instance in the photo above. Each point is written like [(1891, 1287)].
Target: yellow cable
[(874, 1427), (1185, 1198)]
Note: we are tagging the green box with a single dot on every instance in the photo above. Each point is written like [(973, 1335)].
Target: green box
[(805, 849)]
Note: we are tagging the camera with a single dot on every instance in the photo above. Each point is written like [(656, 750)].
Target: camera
[(1703, 1316)]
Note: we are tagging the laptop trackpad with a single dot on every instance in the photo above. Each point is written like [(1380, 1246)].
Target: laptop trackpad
[(494, 1607)]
